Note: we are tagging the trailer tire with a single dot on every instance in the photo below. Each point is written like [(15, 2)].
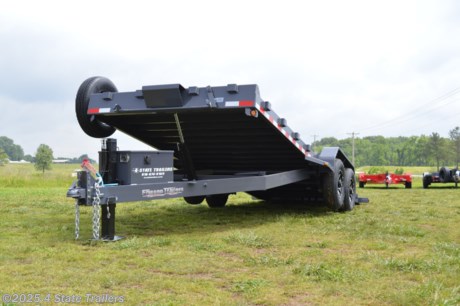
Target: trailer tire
[(426, 181), (194, 200), (444, 175), (361, 184), (350, 190), (89, 124), (334, 187), (217, 200), (408, 185)]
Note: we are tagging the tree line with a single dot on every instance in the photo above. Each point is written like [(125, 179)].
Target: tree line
[(424, 150), (43, 158), (431, 150), (10, 151)]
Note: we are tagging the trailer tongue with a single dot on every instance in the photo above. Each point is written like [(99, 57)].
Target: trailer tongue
[(210, 142)]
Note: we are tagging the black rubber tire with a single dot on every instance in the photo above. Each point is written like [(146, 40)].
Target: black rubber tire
[(89, 124), (350, 190), (361, 184), (426, 181), (444, 175), (408, 185), (194, 200), (334, 187), (217, 200)]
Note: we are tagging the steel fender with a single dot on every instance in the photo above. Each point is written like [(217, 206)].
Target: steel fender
[(329, 154)]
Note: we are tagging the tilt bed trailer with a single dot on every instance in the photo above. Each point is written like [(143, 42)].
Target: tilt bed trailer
[(211, 142), (445, 175), (385, 178)]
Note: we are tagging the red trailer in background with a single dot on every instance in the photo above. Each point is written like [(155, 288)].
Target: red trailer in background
[(385, 178)]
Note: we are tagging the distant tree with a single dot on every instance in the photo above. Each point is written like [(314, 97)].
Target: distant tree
[(330, 141), (412, 150), (318, 145), (43, 158), (398, 151), (422, 151), (29, 158), (78, 160), (437, 148), (85, 156), (14, 151), (377, 151), (3, 157), (454, 135)]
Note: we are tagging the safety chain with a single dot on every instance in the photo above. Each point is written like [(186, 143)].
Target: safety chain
[(77, 220), (100, 182), (96, 215), (96, 202)]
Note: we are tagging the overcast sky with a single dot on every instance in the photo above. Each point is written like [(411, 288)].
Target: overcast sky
[(329, 67)]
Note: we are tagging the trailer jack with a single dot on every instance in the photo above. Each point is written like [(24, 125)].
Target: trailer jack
[(87, 191)]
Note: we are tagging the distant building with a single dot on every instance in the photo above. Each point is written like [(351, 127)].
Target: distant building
[(18, 161), (60, 161)]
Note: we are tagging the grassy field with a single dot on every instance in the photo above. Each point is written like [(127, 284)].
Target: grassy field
[(402, 248)]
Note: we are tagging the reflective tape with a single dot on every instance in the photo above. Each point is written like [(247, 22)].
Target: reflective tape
[(99, 110), (280, 128)]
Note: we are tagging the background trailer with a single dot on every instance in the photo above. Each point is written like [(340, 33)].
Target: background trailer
[(210, 142)]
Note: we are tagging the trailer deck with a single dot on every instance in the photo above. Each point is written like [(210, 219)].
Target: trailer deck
[(216, 124)]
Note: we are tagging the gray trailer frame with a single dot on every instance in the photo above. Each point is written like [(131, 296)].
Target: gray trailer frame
[(222, 140)]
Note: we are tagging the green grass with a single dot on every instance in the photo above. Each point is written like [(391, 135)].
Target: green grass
[(403, 248), (25, 175)]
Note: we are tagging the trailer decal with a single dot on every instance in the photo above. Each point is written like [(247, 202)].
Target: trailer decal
[(166, 191)]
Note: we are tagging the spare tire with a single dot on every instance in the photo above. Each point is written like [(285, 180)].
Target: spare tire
[(427, 179), (89, 124), (444, 175)]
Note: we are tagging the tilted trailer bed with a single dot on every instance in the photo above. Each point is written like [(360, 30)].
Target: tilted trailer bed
[(210, 142), (445, 175)]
